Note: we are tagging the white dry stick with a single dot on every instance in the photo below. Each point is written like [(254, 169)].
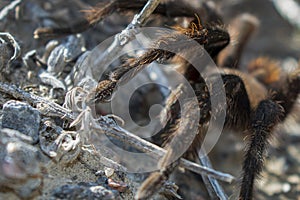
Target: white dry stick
[(9, 7), (138, 21), (212, 185), (111, 128), (148, 9), (45, 106)]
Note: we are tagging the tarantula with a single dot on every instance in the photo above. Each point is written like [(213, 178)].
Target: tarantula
[(257, 101)]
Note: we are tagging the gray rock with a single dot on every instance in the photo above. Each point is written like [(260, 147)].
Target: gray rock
[(22, 117), (64, 53), (20, 168), (87, 191)]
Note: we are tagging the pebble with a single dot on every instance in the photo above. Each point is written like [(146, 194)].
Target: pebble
[(109, 171), (277, 166), (86, 191), (286, 187), (277, 188), (273, 188), (22, 117), (64, 53), (294, 179), (20, 168)]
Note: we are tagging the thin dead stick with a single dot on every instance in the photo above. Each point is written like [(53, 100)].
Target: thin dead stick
[(9, 7), (212, 185), (45, 106), (209, 187), (142, 17), (111, 128), (206, 171)]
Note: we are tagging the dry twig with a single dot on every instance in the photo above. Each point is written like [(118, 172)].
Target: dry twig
[(215, 190), (45, 106)]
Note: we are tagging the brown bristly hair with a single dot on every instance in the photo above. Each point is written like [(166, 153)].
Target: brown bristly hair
[(95, 14), (265, 69)]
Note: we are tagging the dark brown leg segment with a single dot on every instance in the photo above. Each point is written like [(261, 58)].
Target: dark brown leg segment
[(266, 116)]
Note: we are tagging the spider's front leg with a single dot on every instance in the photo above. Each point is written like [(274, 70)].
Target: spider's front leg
[(213, 39)]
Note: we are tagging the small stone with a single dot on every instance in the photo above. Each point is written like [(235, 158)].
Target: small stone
[(286, 187), (22, 117), (277, 166), (273, 188), (294, 179), (20, 168), (117, 185), (86, 191), (100, 173), (109, 171)]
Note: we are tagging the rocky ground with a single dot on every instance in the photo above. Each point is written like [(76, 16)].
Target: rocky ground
[(43, 160)]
